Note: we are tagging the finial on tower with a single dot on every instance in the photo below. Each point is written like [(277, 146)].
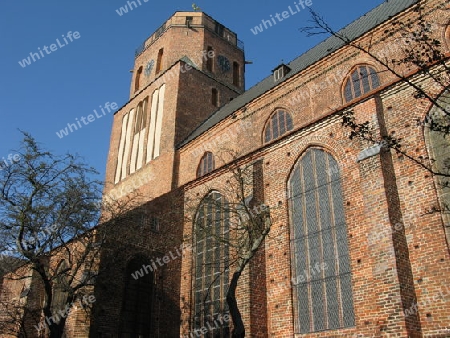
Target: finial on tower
[(195, 7)]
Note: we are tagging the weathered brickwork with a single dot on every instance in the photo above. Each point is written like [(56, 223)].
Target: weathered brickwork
[(399, 253)]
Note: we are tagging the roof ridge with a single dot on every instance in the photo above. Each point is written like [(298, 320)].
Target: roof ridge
[(353, 30)]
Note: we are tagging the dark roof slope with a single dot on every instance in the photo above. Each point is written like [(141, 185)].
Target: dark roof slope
[(359, 27)]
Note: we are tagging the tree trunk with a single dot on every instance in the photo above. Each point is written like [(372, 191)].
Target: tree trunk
[(56, 330), (238, 329)]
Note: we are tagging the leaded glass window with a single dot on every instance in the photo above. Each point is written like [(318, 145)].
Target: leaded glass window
[(278, 125), (60, 288), (321, 263), (211, 266), (206, 164), (361, 81), (436, 125)]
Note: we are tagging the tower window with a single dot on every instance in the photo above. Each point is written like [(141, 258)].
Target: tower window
[(189, 21), (206, 164), (159, 60), (219, 29), (141, 116), (236, 73), (214, 97), (278, 124), (209, 60), (361, 81), (137, 79), (156, 122), (140, 123)]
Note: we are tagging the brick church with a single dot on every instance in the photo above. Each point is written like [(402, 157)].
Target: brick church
[(353, 249)]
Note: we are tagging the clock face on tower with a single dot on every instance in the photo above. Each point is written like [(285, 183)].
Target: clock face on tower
[(224, 63), (149, 67)]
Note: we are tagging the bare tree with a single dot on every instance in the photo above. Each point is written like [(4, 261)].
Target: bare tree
[(51, 214), (416, 57), (232, 216), (417, 50)]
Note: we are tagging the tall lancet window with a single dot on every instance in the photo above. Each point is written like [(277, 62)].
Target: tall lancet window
[(137, 80), (206, 164), (140, 137), (321, 263), (211, 257), (60, 288), (156, 122), (438, 142), (140, 128)]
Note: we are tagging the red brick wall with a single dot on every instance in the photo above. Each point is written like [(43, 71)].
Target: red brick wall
[(385, 195)]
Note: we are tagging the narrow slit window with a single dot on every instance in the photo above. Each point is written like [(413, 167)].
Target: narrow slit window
[(236, 73), (159, 60), (214, 97), (137, 80)]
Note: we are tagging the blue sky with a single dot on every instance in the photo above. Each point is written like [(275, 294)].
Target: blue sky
[(79, 76)]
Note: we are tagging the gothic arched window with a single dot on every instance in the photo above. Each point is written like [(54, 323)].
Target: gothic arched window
[(321, 264), (436, 125), (61, 288), (137, 300), (211, 260), (278, 124), (361, 81), (206, 164)]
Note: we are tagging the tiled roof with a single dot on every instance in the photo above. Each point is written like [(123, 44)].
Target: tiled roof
[(357, 28)]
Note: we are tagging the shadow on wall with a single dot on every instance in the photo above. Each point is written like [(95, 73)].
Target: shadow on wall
[(147, 306)]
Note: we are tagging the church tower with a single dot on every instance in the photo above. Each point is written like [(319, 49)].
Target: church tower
[(188, 68)]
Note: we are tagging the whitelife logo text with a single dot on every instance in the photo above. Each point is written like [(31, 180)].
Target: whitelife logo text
[(281, 16), (49, 49), (71, 127)]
